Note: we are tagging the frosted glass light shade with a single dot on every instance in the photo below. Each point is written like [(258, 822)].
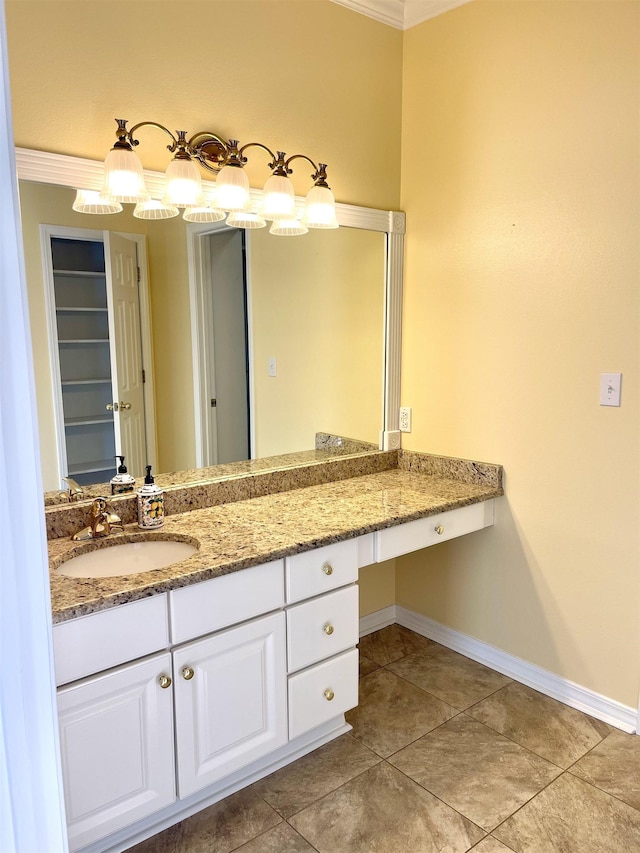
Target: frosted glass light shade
[(320, 209), (89, 201), (183, 186), (232, 189), (246, 220), (123, 178), (154, 209), (204, 213), (278, 200), (288, 227)]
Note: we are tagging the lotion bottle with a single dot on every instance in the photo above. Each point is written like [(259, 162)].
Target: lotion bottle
[(150, 503), (123, 482)]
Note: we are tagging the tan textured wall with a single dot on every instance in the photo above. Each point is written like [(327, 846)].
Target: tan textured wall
[(144, 59), (377, 585), (318, 309), (304, 76), (521, 186)]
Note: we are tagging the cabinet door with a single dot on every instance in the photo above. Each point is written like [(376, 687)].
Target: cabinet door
[(116, 740), (230, 698)]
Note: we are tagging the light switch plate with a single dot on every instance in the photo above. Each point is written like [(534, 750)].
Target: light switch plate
[(610, 384)]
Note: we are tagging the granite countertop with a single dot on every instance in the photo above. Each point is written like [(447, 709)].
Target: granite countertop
[(244, 533)]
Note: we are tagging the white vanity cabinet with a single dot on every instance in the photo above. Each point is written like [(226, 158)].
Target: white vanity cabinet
[(230, 701), (322, 632), (170, 703), (116, 742)]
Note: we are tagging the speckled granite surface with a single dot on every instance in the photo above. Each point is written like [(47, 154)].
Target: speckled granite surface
[(327, 447), (236, 535), (186, 494)]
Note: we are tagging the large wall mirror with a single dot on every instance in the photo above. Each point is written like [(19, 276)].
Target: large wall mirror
[(249, 343)]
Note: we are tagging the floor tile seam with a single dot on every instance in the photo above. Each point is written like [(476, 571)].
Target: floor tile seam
[(528, 802), (302, 835), (260, 834), (517, 743), (440, 800), (333, 790), (415, 740), (439, 698), (603, 791), (428, 692), (589, 751), (492, 836)]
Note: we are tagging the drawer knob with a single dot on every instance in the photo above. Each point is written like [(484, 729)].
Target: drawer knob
[(187, 673), (328, 629), (439, 530), (328, 694), (164, 681), (327, 568)]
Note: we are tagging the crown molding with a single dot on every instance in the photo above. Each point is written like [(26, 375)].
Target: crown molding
[(401, 14)]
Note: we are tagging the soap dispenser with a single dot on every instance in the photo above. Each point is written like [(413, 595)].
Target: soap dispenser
[(123, 482), (150, 503)]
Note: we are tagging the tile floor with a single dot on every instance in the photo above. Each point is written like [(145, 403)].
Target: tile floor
[(445, 756)]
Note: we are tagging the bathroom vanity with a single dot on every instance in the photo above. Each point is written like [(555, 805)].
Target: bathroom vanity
[(180, 685)]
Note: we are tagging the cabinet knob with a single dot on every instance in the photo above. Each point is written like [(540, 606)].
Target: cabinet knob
[(328, 628), (327, 568), (328, 694), (187, 673), (164, 681), (439, 530)]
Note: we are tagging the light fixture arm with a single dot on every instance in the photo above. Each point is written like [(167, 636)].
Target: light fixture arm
[(133, 141), (319, 177)]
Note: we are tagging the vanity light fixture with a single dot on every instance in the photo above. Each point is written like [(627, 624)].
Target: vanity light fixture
[(124, 184), (89, 201)]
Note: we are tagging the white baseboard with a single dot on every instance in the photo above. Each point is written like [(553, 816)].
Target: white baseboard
[(581, 698), (379, 619)]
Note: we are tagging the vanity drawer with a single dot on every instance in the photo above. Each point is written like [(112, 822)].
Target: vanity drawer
[(322, 692), (217, 603), (414, 535), (322, 627), (321, 570), (103, 640)]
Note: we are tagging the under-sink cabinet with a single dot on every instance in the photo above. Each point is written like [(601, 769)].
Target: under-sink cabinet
[(233, 675), (169, 703)]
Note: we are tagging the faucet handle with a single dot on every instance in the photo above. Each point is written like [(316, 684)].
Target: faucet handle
[(100, 509), (74, 490)]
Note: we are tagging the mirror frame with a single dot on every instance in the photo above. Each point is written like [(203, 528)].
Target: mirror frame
[(80, 173)]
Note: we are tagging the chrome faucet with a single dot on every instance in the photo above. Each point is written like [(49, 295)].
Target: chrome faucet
[(101, 524)]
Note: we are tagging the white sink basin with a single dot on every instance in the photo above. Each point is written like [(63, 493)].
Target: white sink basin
[(126, 558)]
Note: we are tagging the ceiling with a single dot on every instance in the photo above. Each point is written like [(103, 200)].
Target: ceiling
[(401, 14)]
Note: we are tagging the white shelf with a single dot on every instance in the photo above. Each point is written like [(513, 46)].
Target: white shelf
[(84, 341), (69, 310), (85, 381), (80, 273), (92, 467), (88, 420)]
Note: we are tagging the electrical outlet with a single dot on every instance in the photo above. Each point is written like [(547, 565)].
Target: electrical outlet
[(405, 419)]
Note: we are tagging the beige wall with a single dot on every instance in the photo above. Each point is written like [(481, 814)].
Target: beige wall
[(144, 59), (520, 182), (305, 76), (318, 309)]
